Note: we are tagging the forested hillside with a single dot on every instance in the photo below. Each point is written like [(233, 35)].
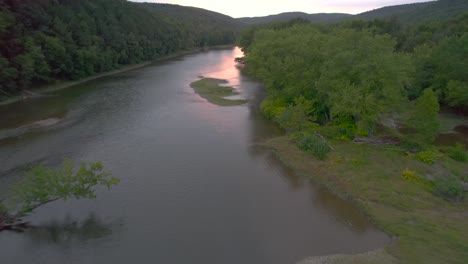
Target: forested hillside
[(47, 40), (204, 27), (406, 14), (419, 12), (322, 17)]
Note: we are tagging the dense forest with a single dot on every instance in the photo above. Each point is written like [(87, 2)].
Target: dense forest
[(407, 13), (320, 17), (354, 76), (204, 28), (47, 40), (418, 12)]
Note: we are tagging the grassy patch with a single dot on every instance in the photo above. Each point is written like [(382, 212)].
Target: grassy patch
[(210, 89), (376, 256), (387, 187)]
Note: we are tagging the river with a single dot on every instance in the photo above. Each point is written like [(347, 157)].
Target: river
[(194, 187)]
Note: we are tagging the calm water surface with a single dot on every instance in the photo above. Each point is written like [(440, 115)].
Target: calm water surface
[(194, 188)]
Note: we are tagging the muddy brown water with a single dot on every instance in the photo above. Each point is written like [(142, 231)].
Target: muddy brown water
[(459, 135), (194, 187)]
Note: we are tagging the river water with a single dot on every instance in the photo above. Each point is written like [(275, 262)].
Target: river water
[(194, 188)]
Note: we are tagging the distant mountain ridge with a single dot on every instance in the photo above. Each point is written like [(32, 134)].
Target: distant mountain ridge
[(320, 17), (209, 26), (192, 14), (418, 12), (407, 13)]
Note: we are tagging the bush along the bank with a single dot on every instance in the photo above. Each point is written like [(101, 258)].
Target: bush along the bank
[(458, 153), (448, 187), (428, 156), (312, 143)]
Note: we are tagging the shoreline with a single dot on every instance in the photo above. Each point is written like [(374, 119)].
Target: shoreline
[(60, 85), (414, 218)]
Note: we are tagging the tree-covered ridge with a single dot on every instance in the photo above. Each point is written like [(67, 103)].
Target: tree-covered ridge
[(204, 27), (418, 12), (48, 40), (406, 14), (356, 75), (321, 17)]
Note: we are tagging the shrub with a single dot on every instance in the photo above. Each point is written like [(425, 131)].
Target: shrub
[(345, 128), (411, 145), (413, 177), (458, 153), (272, 108), (449, 187), (298, 116), (425, 118), (314, 144), (428, 156), (409, 175)]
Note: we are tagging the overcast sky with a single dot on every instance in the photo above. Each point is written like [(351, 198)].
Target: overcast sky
[(242, 8)]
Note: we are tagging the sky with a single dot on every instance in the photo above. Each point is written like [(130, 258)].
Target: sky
[(249, 8)]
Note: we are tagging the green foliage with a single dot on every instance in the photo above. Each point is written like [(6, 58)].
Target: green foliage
[(314, 144), (42, 185), (442, 63), (409, 175), (211, 90), (458, 153), (295, 16), (449, 187), (425, 117), (412, 176), (342, 73), (273, 107), (343, 129), (456, 94), (362, 77), (336, 132), (359, 71), (45, 41), (298, 116), (428, 156), (203, 27), (419, 12)]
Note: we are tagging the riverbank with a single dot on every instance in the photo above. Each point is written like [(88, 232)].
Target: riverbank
[(426, 228), (67, 84)]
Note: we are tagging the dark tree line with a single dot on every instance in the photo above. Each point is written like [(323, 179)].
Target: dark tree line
[(42, 41)]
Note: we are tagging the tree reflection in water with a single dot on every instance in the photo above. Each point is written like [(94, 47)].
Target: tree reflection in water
[(70, 230)]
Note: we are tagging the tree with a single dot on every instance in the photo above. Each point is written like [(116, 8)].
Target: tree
[(425, 117), (42, 185), (362, 77), (299, 116), (456, 94)]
